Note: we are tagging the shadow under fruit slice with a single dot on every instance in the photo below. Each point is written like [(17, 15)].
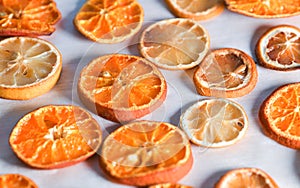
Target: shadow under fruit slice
[(29, 67), (280, 117), (145, 153), (16, 181), (28, 17), (246, 177), (121, 88), (55, 137), (109, 21)]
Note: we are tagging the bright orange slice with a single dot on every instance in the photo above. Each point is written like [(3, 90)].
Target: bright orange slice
[(121, 87), (280, 117), (28, 17), (196, 9), (175, 43), (29, 67), (55, 137), (279, 48), (109, 21), (169, 185), (214, 122), (226, 72), (146, 153), (246, 177), (16, 181), (265, 8)]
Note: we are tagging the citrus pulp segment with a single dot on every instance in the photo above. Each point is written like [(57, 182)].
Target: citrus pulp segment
[(121, 87), (169, 185), (29, 67), (279, 48), (28, 17), (279, 115), (55, 137), (109, 21), (145, 153), (214, 122), (227, 73), (16, 181), (175, 43)]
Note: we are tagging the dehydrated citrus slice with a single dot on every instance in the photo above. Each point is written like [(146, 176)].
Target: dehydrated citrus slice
[(29, 67), (265, 8), (16, 181), (214, 122), (146, 153), (196, 9), (55, 137), (175, 43), (109, 21), (246, 177), (226, 72), (169, 185), (28, 17), (280, 117), (279, 48), (121, 87)]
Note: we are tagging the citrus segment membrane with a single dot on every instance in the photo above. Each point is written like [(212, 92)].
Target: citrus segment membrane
[(279, 48), (55, 136), (146, 153), (29, 67), (226, 72), (16, 181), (279, 115), (214, 122), (175, 43), (28, 17), (265, 8), (121, 87), (109, 21)]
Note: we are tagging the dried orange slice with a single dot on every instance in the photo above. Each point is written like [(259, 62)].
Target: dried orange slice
[(146, 153), (196, 9), (246, 177), (279, 48), (55, 137), (169, 185), (29, 67), (28, 17), (16, 181), (175, 43), (226, 72), (109, 21), (214, 122), (121, 87), (265, 8), (279, 115)]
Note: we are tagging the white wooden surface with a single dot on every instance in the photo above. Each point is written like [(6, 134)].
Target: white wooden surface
[(227, 30)]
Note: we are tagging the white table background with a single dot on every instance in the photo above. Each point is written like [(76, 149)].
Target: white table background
[(227, 30)]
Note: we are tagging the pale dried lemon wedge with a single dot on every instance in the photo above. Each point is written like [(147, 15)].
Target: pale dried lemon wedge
[(214, 122), (175, 43), (29, 67)]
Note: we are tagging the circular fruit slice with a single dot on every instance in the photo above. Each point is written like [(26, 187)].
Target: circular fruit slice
[(279, 115), (196, 9), (55, 137), (246, 177), (175, 43), (279, 48), (265, 8), (24, 18), (146, 153), (16, 181), (226, 72), (109, 21), (29, 67), (214, 122), (121, 87), (169, 185)]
